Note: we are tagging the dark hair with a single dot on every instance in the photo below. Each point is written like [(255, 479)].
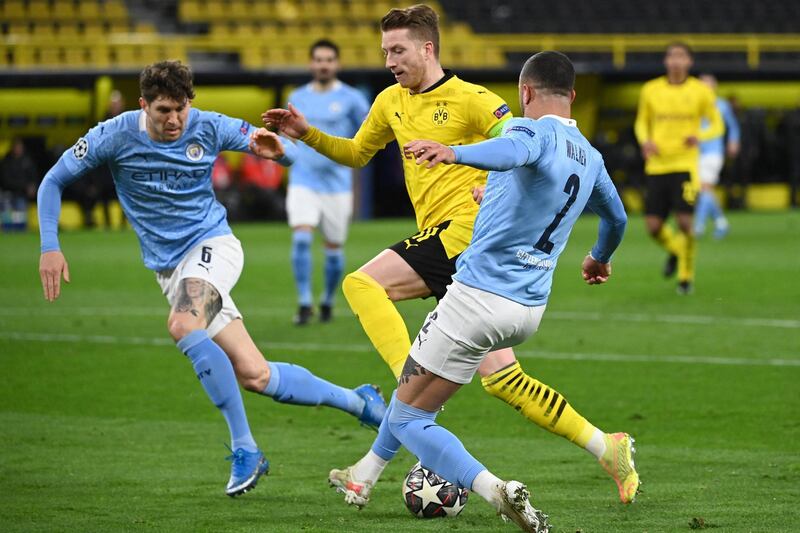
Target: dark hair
[(680, 44), (324, 43), (550, 71), (421, 21), (169, 79)]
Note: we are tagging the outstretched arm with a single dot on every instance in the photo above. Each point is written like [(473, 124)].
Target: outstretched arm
[(268, 145), (52, 264), (500, 153)]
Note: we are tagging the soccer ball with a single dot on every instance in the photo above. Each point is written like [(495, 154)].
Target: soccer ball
[(427, 495)]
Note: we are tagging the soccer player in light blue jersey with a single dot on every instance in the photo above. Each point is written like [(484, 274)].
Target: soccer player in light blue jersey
[(712, 159), (544, 172), (161, 158), (320, 191)]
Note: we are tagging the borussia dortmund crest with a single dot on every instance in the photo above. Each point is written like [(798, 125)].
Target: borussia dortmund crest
[(194, 152), (441, 114)]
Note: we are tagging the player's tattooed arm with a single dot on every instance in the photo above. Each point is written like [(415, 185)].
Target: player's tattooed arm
[(410, 369), (198, 297)]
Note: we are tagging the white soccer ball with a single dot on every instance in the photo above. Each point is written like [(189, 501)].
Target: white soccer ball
[(427, 495)]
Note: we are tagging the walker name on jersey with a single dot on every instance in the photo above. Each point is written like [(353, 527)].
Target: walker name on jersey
[(576, 153), (169, 180), (534, 263)]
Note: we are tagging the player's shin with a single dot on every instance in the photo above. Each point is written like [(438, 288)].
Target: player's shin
[(301, 265), (544, 406), (686, 257), (296, 385), (334, 266), (437, 448), (215, 372), (667, 239), (379, 317)]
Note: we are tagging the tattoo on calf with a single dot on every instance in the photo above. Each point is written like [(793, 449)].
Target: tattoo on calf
[(198, 296), (411, 368)]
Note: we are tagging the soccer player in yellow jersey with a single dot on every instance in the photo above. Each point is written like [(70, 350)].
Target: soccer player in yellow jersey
[(431, 103), (668, 122)]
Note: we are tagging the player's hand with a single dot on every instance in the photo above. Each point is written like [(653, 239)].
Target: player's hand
[(432, 152), (477, 193), (52, 266), (594, 272), (691, 141), (649, 149), (266, 144), (289, 122), (733, 149)]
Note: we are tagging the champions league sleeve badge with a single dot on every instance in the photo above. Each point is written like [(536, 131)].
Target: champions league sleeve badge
[(81, 148), (194, 152)]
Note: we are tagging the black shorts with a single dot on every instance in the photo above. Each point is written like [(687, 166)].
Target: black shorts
[(425, 253), (665, 193)]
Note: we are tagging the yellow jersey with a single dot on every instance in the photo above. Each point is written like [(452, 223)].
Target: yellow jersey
[(670, 113), (450, 112)]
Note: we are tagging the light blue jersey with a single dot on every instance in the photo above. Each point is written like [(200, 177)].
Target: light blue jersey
[(528, 212), (164, 187), (716, 145), (338, 111)]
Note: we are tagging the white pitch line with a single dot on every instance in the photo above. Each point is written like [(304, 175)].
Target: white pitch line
[(363, 348), (692, 320)]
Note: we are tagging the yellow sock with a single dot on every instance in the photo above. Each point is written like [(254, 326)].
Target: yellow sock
[(538, 403), (688, 246), (667, 239), (379, 317)]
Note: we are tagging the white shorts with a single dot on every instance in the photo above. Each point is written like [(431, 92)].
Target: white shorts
[(219, 261), (467, 324), (330, 212), (710, 167)]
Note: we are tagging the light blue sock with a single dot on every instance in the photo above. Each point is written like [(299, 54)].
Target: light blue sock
[(386, 444), (713, 207), (295, 385), (437, 449), (301, 264), (334, 266), (215, 372), (701, 212)]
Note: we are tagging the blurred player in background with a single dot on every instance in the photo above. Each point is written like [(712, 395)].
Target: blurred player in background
[(429, 102), (667, 127), (544, 174), (712, 159), (320, 191), (161, 158)]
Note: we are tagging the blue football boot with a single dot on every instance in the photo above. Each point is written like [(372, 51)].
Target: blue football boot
[(247, 467), (374, 406)]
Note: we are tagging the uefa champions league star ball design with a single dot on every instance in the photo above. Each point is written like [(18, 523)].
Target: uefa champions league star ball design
[(427, 495)]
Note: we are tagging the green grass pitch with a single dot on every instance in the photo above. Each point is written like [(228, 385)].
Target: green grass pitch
[(103, 426)]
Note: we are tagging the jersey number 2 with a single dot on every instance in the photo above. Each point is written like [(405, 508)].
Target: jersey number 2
[(572, 187)]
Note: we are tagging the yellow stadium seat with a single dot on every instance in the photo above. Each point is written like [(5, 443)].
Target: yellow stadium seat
[(18, 29), (125, 56), (150, 53), (191, 11), (43, 31), (99, 56), (240, 10), (14, 10), (93, 30), (216, 10), (68, 32), (115, 10), (286, 10), (64, 10), (24, 57), (50, 57), (118, 26), (144, 28), (39, 10), (75, 56), (263, 11), (89, 10), (379, 8)]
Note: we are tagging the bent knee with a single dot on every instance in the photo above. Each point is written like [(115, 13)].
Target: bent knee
[(356, 282), (178, 326), (254, 383)]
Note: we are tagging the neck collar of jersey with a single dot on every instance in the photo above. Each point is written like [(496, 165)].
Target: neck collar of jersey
[(333, 86), (447, 75), (565, 121)]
